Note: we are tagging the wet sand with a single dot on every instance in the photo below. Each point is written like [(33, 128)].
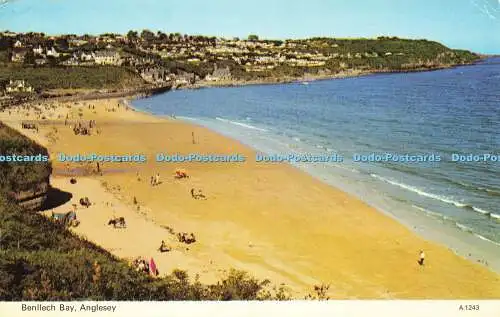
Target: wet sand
[(272, 220)]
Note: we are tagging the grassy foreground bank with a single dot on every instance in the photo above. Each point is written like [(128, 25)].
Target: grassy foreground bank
[(40, 260)]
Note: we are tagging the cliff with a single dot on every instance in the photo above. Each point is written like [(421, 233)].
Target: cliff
[(27, 183)]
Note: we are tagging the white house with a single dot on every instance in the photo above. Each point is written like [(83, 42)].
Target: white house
[(18, 86), (84, 57), (107, 58), (18, 57), (52, 52), (38, 50), (219, 74)]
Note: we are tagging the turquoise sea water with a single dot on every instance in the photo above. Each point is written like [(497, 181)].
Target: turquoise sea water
[(433, 114)]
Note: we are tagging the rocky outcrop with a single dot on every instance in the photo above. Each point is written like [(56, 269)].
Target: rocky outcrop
[(25, 182), (34, 198)]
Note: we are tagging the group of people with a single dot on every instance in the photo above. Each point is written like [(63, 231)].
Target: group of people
[(29, 126), (79, 129), (197, 194), (85, 201), (181, 173), (186, 238), (141, 265), (155, 180)]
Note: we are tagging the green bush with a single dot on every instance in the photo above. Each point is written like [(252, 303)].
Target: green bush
[(97, 77), (16, 176)]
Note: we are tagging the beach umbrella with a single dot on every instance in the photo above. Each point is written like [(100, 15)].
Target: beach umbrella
[(152, 267)]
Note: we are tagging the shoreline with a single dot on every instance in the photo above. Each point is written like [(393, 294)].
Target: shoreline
[(431, 231), (301, 252), (144, 92), (314, 77)]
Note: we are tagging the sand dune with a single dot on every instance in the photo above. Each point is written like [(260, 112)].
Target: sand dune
[(271, 220)]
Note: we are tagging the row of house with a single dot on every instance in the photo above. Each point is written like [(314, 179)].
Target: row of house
[(105, 57), (18, 86), (254, 55)]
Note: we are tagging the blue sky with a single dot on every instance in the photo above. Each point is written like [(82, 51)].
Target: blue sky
[(468, 24)]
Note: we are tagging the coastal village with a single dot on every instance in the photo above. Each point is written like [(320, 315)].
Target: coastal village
[(179, 60)]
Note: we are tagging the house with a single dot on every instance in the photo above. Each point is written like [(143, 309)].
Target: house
[(18, 44), (18, 86), (52, 52), (155, 75), (18, 57), (38, 50), (219, 74), (40, 61), (83, 56), (107, 58), (71, 62), (185, 78), (76, 42), (9, 34)]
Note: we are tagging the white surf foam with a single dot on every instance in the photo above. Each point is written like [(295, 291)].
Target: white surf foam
[(481, 211), (486, 239), (245, 125), (419, 191), (463, 227), (431, 213)]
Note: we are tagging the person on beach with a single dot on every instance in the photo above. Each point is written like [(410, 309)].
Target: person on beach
[(421, 258), (152, 181), (157, 179), (192, 135), (200, 195), (192, 193), (163, 247)]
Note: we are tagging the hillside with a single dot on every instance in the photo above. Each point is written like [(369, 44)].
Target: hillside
[(114, 61), (58, 77), (41, 260)]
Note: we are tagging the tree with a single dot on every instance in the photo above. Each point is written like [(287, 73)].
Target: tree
[(52, 61), (253, 37), (29, 58), (147, 35), (132, 36), (5, 43), (62, 43), (161, 36)]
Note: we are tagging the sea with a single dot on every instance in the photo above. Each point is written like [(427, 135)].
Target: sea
[(423, 147)]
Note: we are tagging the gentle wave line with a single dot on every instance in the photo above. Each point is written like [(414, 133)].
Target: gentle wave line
[(434, 196), (248, 126)]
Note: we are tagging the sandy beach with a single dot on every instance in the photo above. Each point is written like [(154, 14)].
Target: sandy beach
[(271, 220)]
